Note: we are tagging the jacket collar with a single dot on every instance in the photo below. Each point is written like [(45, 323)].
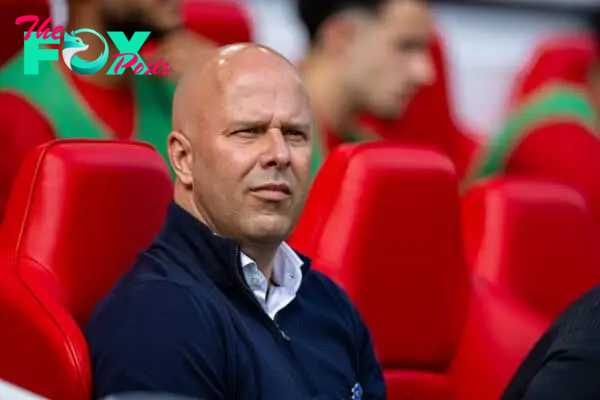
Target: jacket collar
[(218, 257)]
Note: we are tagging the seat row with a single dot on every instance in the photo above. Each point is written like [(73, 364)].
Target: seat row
[(454, 290)]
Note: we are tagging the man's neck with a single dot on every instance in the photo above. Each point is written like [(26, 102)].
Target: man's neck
[(262, 253), (330, 101), (85, 17), (264, 256)]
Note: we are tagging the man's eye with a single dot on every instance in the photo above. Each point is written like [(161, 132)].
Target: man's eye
[(248, 132), (294, 133), (411, 46)]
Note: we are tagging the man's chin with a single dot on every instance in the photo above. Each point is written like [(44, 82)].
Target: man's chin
[(157, 32), (269, 229), (391, 113)]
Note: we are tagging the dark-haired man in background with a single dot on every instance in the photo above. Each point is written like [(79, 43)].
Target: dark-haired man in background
[(366, 56)]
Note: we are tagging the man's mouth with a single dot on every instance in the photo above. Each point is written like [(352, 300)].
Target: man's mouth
[(275, 191)]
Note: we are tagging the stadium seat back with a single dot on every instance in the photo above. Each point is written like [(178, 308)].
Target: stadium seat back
[(499, 333), (383, 221), (533, 238), (531, 248), (43, 350), (78, 214)]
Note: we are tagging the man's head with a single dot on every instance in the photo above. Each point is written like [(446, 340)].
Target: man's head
[(380, 47), (242, 144), (159, 17)]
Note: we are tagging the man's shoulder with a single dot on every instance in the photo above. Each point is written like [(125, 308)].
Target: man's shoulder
[(320, 280), (156, 331), (539, 112), (323, 290), (157, 285), (553, 102), (580, 321)]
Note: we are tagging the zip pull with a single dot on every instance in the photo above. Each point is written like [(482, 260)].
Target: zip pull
[(285, 336)]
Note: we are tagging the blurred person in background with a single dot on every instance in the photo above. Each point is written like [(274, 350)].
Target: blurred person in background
[(366, 56), (553, 130), (59, 103)]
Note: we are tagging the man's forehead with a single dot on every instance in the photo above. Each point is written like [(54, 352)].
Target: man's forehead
[(251, 87), (264, 107), (253, 74)]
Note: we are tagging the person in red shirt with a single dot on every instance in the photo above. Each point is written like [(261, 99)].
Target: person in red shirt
[(365, 56), (553, 129), (59, 103)]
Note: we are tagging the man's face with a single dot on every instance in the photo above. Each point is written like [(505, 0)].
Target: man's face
[(251, 163), (157, 16), (388, 58)]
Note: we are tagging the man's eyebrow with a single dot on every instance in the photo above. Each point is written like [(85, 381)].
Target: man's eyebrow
[(289, 126), (297, 126), (249, 123)]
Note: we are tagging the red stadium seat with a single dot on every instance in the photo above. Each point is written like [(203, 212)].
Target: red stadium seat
[(564, 59), (532, 250), (383, 221), (79, 213), (13, 35), (429, 119), (499, 333), (224, 22), (534, 238)]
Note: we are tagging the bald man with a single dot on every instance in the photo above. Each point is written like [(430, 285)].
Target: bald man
[(219, 306)]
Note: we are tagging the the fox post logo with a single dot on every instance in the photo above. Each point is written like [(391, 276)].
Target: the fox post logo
[(34, 51)]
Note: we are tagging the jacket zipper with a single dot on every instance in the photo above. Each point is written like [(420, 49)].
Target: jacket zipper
[(308, 382), (248, 293), (285, 335)]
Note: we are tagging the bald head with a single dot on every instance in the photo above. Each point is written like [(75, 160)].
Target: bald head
[(207, 81), (242, 143)]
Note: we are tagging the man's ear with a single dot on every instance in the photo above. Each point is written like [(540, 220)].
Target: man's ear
[(181, 156), (338, 32)]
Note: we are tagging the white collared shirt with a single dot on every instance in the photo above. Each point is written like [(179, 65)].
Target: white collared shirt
[(287, 276)]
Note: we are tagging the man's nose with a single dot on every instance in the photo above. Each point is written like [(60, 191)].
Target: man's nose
[(277, 153)]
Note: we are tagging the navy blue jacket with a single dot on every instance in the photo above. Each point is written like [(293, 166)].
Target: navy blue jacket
[(184, 321)]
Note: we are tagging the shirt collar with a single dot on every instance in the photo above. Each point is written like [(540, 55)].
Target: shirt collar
[(287, 265), (194, 244)]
